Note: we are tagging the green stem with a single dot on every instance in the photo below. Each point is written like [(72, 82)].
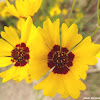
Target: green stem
[(98, 12), (89, 6), (95, 31), (71, 10)]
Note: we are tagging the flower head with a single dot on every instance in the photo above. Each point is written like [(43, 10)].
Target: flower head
[(24, 8), (16, 51), (55, 11), (64, 11), (67, 66)]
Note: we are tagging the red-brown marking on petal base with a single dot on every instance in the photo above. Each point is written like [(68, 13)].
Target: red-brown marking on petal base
[(60, 59), (20, 55)]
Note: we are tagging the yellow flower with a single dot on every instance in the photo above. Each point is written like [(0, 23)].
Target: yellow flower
[(41, 18), (98, 55), (24, 8), (68, 67), (47, 17), (79, 15), (55, 11), (77, 10), (64, 11), (70, 21), (16, 51)]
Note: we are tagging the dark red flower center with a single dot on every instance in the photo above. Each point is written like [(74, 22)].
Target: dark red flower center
[(60, 59), (20, 55)]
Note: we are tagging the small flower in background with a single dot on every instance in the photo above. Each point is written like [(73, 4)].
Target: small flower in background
[(24, 8), (55, 11), (47, 17), (77, 10), (41, 17), (16, 51), (69, 22), (64, 11), (68, 66), (80, 15)]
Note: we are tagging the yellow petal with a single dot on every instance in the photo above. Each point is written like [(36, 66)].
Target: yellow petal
[(50, 33), (38, 57), (52, 84), (5, 48), (86, 51), (26, 28), (32, 33), (9, 74), (10, 35), (70, 36), (5, 61), (38, 68), (73, 86), (11, 9), (98, 55)]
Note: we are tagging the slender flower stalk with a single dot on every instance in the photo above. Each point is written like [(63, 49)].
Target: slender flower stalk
[(98, 27), (71, 10)]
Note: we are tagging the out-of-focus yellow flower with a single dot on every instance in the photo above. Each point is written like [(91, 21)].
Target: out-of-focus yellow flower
[(64, 11), (24, 8), (61, 1), (77, 10), (80, 15), (47, 17), (70, 21), (40, 17), (55, 11), (98, 55)]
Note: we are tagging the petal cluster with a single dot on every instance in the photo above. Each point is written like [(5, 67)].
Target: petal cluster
[(24, 8)]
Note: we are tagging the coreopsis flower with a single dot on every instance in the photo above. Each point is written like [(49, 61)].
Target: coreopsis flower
[(55, 11), (24, 8), (41, 17), (52, 52), (69, 22), (64, 11), (16, 52)]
